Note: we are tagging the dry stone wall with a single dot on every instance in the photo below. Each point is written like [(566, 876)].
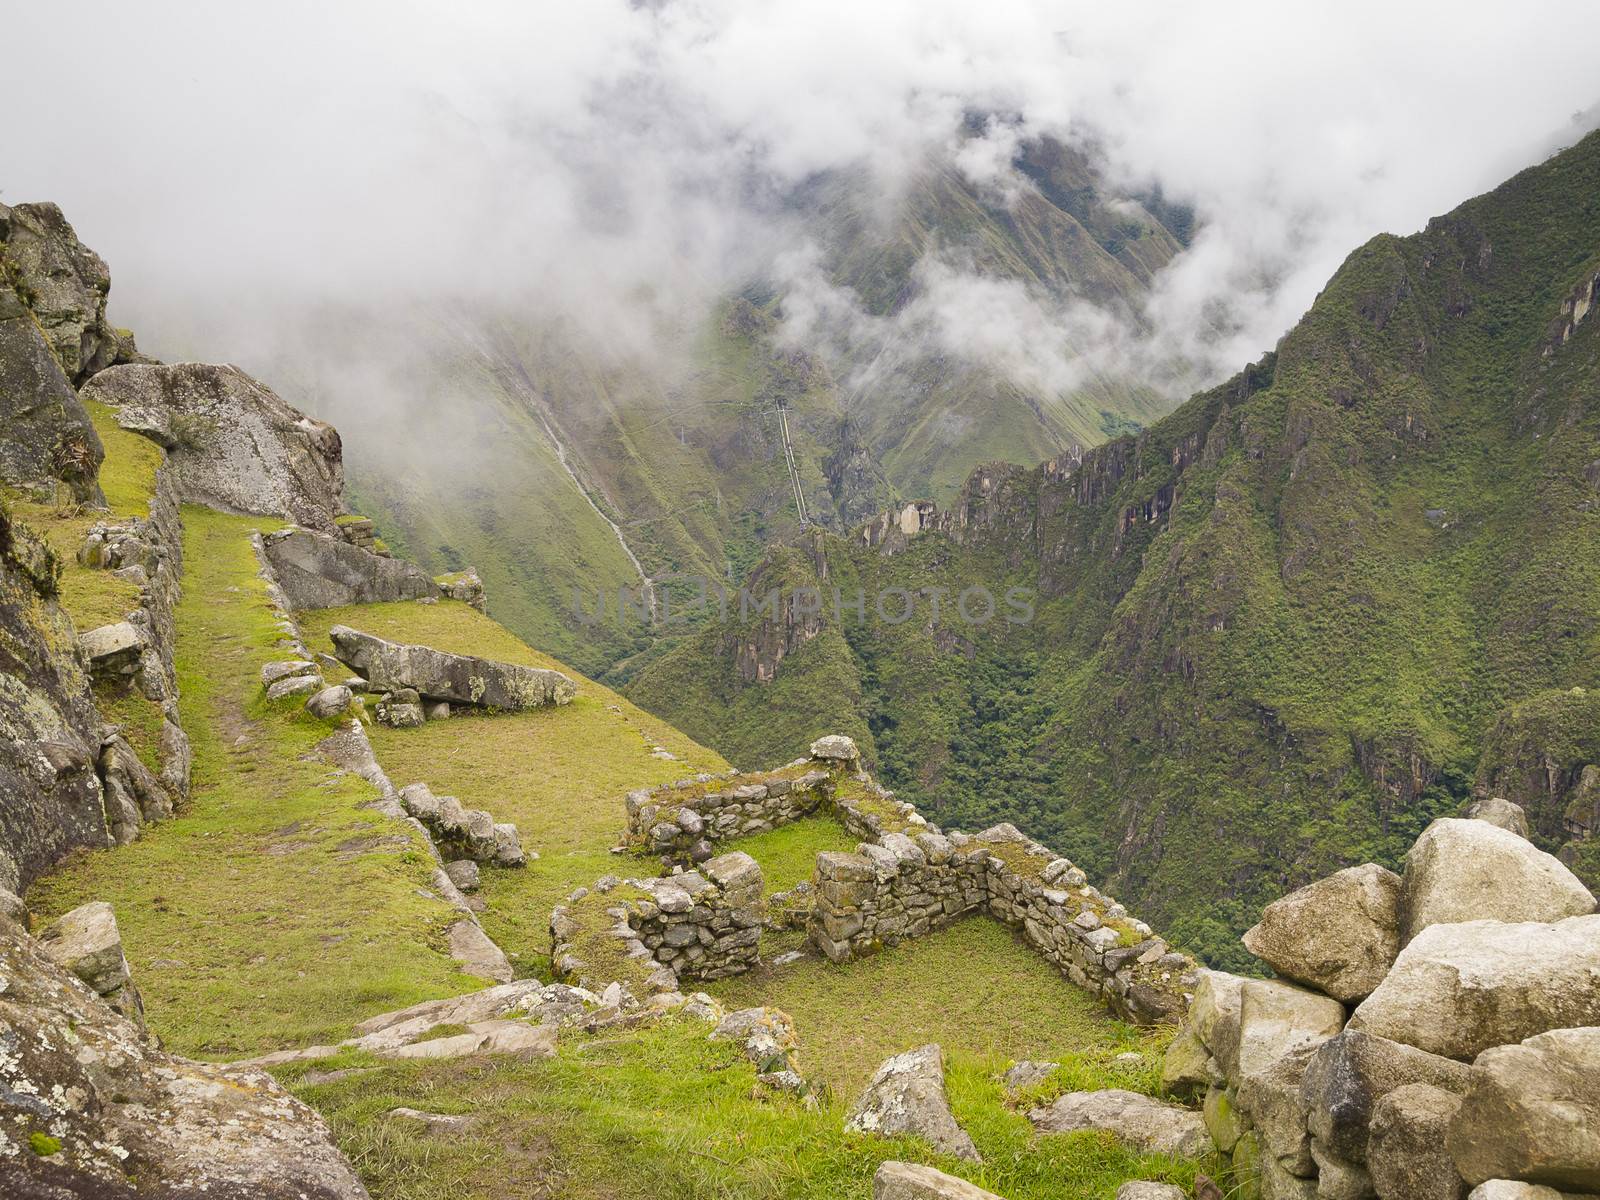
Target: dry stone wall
[(683, 821), (907, 883)]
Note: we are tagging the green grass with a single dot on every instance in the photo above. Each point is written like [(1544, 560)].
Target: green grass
[(972, 986), (664, 1112), (275, 910), (559, 774), (128, 478), (788, 853)]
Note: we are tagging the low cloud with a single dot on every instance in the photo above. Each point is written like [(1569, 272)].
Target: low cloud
[(616, 167)]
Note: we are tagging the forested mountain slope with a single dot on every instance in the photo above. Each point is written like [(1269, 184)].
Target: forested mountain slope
[(1275, 631)]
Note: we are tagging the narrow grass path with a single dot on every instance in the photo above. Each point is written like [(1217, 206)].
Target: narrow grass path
[(274, 910), (559, 774)]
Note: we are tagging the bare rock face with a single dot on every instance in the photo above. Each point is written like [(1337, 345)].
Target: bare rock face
[(1350, 1073), (318, 570), (1533, 1112), (1457, 990), (1339, 935), (1149, 1126), (79, 1073), (67, 285), (45, 432), (1499, 811), (1470, 870), (907, 1097), (1406, 1152), (458, 678), (50, 796), (913, 1181), (1275, 1018), (231, 442)]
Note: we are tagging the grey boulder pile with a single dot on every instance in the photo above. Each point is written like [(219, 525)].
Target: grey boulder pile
[(1434, 1033)]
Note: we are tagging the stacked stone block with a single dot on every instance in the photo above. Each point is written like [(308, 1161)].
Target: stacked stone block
[(683, 821)]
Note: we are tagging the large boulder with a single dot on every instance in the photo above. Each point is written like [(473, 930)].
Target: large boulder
[(66, 285), (913, 1181), (1469, 870), (1533, 1112), (458, 678), (122, 1110), (1148, 1126), (1406, 1152), (907, 1098), (1275, 1105), (1214, 1017), (1339, 935), (318, 570), (1459, 989), (45, 432), (1499, 811), (1350, 1073), (231, 442), (1275, 1018)]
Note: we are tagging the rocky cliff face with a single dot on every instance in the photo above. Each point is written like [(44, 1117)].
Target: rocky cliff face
[(1274, 631)]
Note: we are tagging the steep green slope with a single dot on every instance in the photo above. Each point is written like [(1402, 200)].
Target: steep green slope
[(1274, 629), (545, 460)]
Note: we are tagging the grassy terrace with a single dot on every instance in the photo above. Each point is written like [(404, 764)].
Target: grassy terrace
[(275, 910), (559, 774), (664, 1112)]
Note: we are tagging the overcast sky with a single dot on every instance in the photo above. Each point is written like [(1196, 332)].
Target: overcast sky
[(241, 165)]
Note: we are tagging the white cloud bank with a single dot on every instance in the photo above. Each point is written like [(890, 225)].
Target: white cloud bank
[(243, 167)]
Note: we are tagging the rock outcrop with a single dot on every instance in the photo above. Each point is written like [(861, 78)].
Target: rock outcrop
[(65, 286), (45, 432), (319, 570), (1148, 1126), (231, 442), (1469, 870), (907, 1097), (1353, 919), (49, 727), (1532, 1112), (1457, 990), (458, 678), (91, 1083)]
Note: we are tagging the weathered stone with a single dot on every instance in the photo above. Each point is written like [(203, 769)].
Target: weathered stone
[(331, 702), (93, 1079), (1273, 1101), (1143, 1190), (906, 1097), (319, 570), (1508, 1189), (913, 1181), (113, 649), (1349, 1073), (734, 872), (1338, 1178), (86, 942), (1406, 1151), (435, 1123), (274, 671), (398, 714), (45, 432), (231, 442), (1499, 811), (1222, 1118), (459, 678), (1188, 1068), (1025, 1076), (835, 748), (476, 953), (1149, 1126), (765, 1035), (1459, 989), (294, 685), (1461, 870), (463, 872), (1275, 1018), (67, 284), (1339, 935), (1532, 1112), (1214, 1016)]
